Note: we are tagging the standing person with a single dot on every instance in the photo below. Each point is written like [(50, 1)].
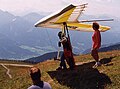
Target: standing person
[(96, 39), (36, 78), (67, 52)]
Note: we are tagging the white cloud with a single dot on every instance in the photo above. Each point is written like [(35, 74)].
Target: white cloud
[(104, 0)]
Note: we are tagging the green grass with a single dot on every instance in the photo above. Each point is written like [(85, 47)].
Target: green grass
[(84, 76)]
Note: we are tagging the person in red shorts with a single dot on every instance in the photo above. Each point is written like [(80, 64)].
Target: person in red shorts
[(96, 39), (67, 52)]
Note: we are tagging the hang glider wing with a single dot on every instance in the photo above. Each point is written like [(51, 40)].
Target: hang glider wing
[(70, 15), (85, 27)]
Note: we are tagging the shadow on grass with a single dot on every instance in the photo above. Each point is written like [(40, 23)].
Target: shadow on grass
[(83, 77), (106, 60)]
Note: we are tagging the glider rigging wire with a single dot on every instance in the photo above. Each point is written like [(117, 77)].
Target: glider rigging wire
[(49, 38)]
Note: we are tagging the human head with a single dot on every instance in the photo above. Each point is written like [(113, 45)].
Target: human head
[(60, 34), (95, 26), (35, 73)]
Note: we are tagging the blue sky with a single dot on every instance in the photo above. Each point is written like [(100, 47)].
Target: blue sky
[(95, 7)]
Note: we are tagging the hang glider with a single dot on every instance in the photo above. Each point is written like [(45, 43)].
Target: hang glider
[(69, 15)]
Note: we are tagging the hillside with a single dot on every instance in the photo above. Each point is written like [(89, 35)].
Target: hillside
[(43, 57), (83, 77)]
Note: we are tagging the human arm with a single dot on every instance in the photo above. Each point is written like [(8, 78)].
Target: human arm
[(59, 44), (64, 39)]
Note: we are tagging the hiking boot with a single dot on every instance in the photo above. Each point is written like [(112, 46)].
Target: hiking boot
[(97, 64), (64, 68), (59, 68)]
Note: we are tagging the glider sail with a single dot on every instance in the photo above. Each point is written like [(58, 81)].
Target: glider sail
[(70, 16), (85, 27)]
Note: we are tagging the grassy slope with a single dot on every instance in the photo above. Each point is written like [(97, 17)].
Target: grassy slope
[(83, 77)]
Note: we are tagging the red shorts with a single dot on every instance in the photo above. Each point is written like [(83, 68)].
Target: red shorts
[(67, 53), (94, 52)]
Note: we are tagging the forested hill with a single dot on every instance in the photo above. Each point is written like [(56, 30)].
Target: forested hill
[(52, 55), (106, 48)]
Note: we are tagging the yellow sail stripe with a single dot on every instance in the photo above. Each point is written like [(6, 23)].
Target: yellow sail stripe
[(79, 25), (65, 16), (87, 26)]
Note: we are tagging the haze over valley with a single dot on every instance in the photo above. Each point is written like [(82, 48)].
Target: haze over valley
[(19, 39)]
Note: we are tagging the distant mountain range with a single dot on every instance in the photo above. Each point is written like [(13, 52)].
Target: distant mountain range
[(44, 57), (105, 48), (53, 55), (19, 39)]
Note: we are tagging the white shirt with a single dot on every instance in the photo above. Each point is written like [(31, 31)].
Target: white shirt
[(45, 86)]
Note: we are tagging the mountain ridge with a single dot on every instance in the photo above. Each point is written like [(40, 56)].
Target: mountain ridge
[(20, 30)]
